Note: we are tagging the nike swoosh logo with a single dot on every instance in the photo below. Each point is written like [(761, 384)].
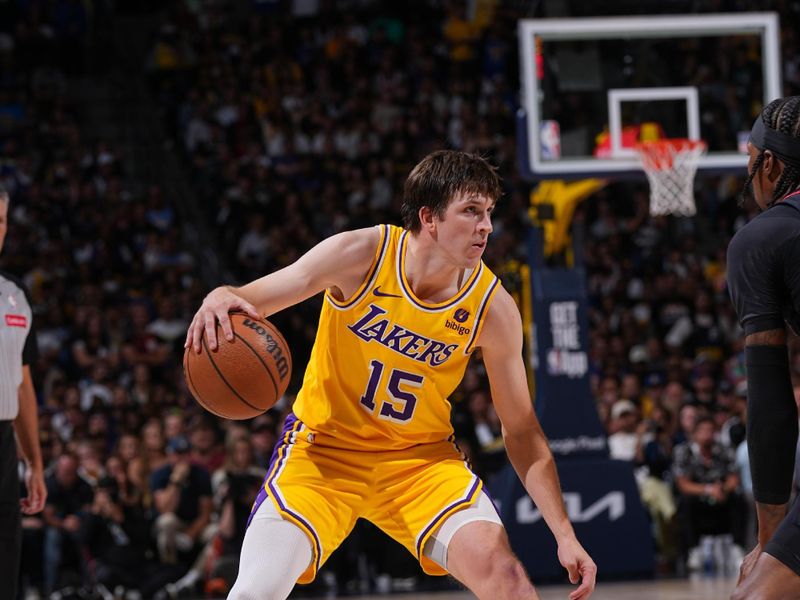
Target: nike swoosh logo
[(377, 291)]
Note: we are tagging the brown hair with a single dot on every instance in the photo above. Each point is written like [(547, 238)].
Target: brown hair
[(438, 177)]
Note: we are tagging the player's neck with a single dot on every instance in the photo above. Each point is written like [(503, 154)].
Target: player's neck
[(431, 274)]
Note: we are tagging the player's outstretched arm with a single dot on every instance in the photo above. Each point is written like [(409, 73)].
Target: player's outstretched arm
[(501, 344), (339, 263)]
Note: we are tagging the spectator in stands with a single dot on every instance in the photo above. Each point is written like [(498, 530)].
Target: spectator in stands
[(656, 484), (263, 437), (68, 496), (127, 447), (141, 346), (707, 480), (206, 451), (153, 445), (168, 326), (116, 537), (182, 497), (687, 419), (488, 433), (629, 432), (174, 424), (235, 486)]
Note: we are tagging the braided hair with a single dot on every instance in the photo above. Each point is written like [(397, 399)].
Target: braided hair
[(782, 115)]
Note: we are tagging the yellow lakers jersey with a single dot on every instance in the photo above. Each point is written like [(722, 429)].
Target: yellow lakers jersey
[(384, 362)]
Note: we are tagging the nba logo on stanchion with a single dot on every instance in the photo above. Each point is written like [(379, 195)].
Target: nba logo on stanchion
[(550, 137)]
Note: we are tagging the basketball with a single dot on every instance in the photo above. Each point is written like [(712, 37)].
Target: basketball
[(243, 377)]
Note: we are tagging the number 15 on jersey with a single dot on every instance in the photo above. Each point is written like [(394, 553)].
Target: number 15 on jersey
[(399, 407)]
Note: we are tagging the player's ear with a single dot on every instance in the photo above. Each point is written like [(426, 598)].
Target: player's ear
[(426, 218), (772, 167)]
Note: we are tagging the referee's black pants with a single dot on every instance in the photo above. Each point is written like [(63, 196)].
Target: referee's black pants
[(10, 518)]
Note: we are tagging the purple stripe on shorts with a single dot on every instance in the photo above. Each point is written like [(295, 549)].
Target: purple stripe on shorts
[(288, 425), (275, 494), (278, 461), (444, 511), (283, 441)]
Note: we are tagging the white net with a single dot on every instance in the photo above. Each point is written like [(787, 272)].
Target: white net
[(670, 166)]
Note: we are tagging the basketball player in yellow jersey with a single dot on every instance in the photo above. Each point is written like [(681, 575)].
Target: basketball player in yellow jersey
[(370, 432)]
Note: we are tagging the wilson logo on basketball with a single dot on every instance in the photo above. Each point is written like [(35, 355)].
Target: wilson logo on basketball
[(16, 320), (271, 346)]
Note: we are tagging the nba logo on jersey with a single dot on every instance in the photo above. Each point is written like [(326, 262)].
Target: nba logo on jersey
[(550, 137)]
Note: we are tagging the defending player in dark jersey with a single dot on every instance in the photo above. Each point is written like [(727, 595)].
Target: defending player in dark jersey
[(764, 283)]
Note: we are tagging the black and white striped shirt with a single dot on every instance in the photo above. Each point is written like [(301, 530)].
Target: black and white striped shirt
[(17, 342)]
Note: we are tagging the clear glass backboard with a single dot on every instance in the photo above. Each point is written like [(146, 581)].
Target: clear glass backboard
[(592, 87)]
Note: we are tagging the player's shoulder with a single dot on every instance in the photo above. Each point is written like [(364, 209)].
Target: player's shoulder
[(9, 280), (360, 244), (767, 232), (502, 314)]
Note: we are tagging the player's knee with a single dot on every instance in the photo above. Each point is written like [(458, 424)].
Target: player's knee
[(503, 569), (511, 571)]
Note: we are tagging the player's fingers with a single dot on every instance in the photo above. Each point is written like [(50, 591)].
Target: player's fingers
[(189, 335), (211, 330), (29, 504), (572, 570), (249, 309), (588, 577), (244, 306), (745, 569), (583, 591), (225, 323), (197, 334), (40, 496)]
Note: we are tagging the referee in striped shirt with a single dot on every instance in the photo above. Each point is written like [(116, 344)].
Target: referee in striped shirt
[(17, 414)]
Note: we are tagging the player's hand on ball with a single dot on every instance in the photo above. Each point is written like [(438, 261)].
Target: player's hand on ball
[(215, 309), (580, 566)]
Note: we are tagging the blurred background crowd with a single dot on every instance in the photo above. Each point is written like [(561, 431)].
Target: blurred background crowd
[(292, 121)]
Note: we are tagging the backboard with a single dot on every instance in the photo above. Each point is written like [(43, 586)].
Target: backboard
[(591, 87)]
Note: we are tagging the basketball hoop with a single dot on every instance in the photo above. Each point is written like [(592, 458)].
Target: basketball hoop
[(670, 166)]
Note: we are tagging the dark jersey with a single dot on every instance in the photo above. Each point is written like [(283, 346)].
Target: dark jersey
[(764, 269), (764, 283)]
